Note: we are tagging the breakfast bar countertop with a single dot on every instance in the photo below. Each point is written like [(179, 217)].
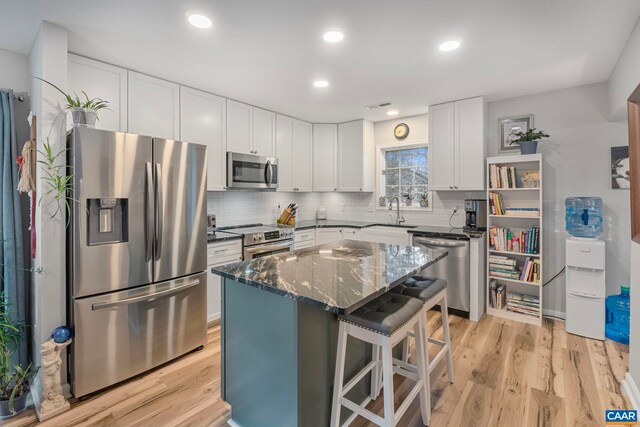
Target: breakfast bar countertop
[(338, 277)]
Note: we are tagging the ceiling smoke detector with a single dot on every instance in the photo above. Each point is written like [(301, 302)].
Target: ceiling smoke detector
[(381, 105)]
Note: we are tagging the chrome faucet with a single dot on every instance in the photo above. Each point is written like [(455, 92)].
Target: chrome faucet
[(399, 219)]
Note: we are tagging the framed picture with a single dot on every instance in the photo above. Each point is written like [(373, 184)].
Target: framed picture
[(620, 177), (508, 125)]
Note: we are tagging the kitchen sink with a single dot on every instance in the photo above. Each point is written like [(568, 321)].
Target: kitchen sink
[(397, 226)]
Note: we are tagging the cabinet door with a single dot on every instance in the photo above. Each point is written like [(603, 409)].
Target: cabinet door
[(284, 151), (351, 233), (214, 302), (328, 235), (104, 81), (350, 156), (441, 152), (302, 156), (203, 120), (239, 127), (469, 144), (264, 132), (154, 106), (324, 157)]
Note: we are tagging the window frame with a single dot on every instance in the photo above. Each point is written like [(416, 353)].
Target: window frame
[(381, 179)]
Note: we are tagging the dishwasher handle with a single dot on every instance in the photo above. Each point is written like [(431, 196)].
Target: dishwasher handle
[(440, 243)]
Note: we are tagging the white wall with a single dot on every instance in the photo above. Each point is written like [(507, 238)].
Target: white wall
[(14, 73), (576, 163), (624, 77), (634, 337)]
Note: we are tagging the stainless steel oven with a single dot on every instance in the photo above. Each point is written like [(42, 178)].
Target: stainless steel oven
[(262, 240), (248, 171), (262, 250)]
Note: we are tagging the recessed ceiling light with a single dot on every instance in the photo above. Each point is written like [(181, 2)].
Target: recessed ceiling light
[(450, 45), (321, 83), (392, 113), (198, 20), (333, 36)]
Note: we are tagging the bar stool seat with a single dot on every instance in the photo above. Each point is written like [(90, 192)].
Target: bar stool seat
[(383, 323), (423, 288)]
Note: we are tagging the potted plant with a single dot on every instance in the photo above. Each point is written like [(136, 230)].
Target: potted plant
[(84, 112), (528, 140), (15, 381)]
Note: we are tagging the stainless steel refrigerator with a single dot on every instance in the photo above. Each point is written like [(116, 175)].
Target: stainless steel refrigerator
[(136, 251)]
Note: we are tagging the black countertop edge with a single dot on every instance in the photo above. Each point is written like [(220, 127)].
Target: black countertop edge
[(323, 306), (448, 233), (221, 237)]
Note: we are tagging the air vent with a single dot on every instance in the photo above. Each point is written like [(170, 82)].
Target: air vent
[(382, 104)]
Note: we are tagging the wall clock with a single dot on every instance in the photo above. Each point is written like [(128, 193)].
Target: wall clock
[(401, 131)]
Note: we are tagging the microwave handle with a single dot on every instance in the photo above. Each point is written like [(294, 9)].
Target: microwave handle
[(269, 173)]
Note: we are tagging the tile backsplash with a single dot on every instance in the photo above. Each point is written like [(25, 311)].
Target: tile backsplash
[(244, 207)]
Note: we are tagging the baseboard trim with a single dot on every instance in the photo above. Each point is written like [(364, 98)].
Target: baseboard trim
[(232, 423), (630, 389), (557, 315)]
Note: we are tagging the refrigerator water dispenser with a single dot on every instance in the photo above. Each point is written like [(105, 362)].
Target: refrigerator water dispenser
[(107, 221)]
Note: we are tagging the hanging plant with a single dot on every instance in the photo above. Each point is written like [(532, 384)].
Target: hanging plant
[(59, 185)]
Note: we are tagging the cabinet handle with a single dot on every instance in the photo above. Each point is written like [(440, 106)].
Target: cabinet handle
[(220, 250)]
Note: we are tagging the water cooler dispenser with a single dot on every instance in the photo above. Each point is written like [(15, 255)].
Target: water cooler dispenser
[(585, 274)]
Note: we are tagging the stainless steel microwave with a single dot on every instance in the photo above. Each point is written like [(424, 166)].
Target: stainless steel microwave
[(247, 171)]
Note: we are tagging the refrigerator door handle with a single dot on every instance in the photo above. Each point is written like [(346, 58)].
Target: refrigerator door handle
[(126, 301), (149, 235), (159, 211)]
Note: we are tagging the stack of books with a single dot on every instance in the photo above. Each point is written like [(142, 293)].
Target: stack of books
[(522, 212), (530, 270), (523, 304), (497, 295), (505, 240), (503, 177), (496, 204), (504, 267)]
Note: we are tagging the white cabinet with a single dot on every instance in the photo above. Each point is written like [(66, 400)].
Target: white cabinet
[(219, 254), (388, 235), (305, 238), (264, 132), (250, 130), (293, 149), (154, 106), (325, 138), (355, 156), (104, 81), (328, 235), (203, 121), (457, 145)]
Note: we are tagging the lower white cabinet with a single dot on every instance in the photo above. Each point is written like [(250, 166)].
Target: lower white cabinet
[(388, 235), (219, 254), (304, 238), (328, 235)]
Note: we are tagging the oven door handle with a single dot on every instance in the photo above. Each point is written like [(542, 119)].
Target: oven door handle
[(441, 243), (260, 249)]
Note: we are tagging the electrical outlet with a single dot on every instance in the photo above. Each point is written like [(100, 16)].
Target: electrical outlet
[(455, 209)]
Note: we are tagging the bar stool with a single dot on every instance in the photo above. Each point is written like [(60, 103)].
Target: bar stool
[(431, 291), (383, 323)]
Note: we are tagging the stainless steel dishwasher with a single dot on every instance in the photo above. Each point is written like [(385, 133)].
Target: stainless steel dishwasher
[(454, 268)]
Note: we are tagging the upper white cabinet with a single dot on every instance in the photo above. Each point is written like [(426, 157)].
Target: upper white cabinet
[(356, 156), (203, 120), (294, 151), (250, 130), (264, 132), (457, 145), (154, 106), (325, 138), (104, 81)]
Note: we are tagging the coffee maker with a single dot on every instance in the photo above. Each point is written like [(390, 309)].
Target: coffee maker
[(476, 214)]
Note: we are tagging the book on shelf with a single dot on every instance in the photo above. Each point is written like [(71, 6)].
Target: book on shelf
[(504, 239), (503, 267), (523, 303), (530, 270), (503, 177), (497, 295), (522, 212), (496, 203)]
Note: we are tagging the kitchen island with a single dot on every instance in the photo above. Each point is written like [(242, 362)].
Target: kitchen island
[(280, 329)]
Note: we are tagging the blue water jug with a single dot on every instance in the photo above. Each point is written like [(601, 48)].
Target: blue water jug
[(583, 216), (618, 316)]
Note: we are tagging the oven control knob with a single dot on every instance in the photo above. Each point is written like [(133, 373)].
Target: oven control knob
[(259, 237), (255, 238)]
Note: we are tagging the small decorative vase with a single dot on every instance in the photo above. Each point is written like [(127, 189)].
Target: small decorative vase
[(528, 147), (407, 201), (84, 117), (19, 403)]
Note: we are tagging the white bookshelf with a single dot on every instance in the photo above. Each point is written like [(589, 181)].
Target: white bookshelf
[(519, 197)]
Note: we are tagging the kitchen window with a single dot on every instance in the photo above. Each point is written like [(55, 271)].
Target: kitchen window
[(403, 173)]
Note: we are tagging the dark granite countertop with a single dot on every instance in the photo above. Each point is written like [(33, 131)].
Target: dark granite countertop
[(448, 232), (339, 277), (221, 236), (330, 223)]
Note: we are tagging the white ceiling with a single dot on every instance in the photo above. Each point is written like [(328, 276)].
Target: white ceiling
[(267, 53)]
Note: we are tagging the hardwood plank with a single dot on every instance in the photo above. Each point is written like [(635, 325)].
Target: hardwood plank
[(474, 407), (490, 369), (582, 401), (544, 409)]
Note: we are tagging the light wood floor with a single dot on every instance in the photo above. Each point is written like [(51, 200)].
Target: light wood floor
[(506, 374)]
